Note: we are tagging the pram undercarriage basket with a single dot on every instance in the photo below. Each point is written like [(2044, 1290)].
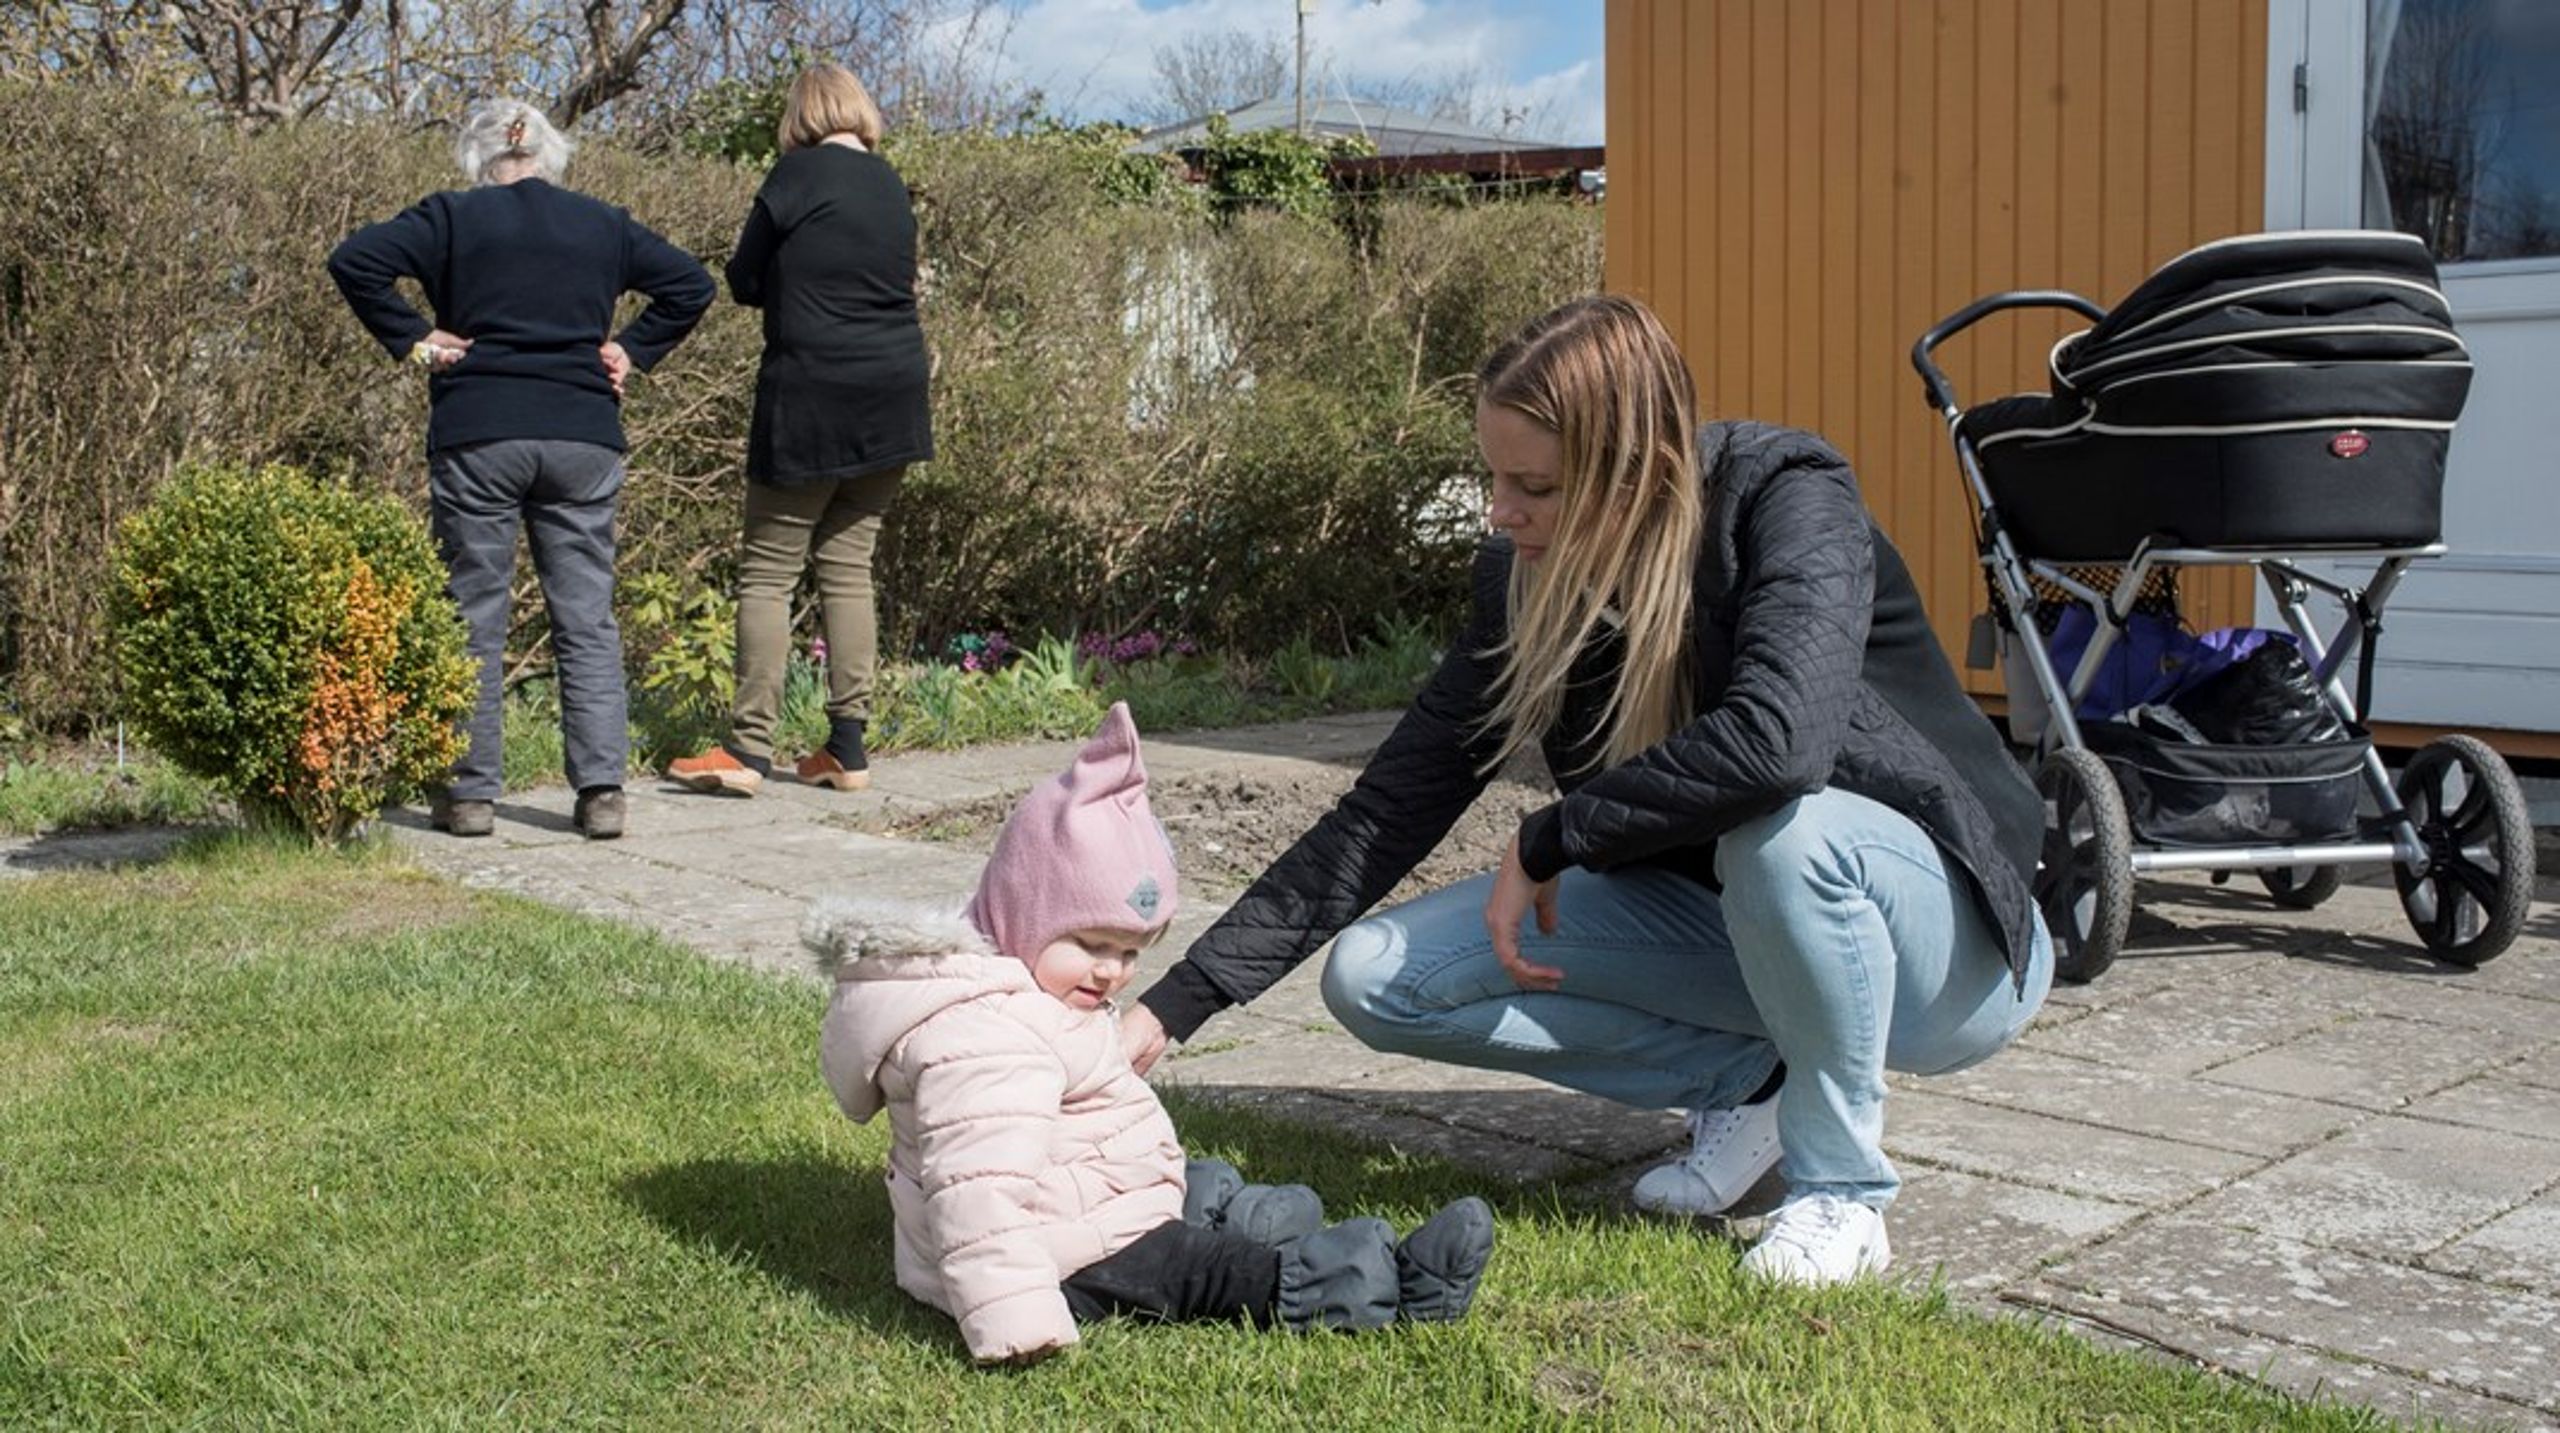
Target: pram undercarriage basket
[(2266, 400)]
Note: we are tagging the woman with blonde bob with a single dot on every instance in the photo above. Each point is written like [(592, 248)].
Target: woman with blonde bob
[(1788, 855), (829, 254)]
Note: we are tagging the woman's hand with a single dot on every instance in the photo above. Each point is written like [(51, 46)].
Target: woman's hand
[(617, 364), (1142, 1035), (442, 350), (1515, 895)]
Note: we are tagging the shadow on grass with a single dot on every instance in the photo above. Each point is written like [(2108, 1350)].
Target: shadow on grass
[(808, 1223)]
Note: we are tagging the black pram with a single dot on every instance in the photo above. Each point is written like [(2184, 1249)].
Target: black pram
[(2259, 400)]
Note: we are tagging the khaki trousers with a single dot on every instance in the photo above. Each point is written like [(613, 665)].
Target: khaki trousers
[(831, 526)]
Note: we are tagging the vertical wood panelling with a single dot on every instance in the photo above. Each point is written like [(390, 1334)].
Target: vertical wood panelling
[(1800, 187)]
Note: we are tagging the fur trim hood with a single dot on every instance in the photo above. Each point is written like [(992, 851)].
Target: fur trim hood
[(843, 930), (897, 965)]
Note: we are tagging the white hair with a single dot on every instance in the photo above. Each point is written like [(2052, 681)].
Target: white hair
[(497, 130)]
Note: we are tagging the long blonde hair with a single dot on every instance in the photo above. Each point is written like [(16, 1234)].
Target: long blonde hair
[(1605, 377), (826, 99)]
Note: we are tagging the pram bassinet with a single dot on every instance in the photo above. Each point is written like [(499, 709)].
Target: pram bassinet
[(2268, 401), (2269, 391)]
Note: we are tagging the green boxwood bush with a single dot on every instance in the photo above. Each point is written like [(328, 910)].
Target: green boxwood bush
[(289, 640)]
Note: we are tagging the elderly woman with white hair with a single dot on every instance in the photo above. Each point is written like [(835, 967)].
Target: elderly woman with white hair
[(525, 380)]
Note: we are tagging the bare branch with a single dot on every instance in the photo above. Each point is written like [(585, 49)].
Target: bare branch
[(609, 68)]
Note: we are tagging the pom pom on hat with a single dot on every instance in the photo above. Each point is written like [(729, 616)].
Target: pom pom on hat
[(1082, 851)]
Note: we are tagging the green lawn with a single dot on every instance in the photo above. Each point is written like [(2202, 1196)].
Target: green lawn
[(321, 1142)]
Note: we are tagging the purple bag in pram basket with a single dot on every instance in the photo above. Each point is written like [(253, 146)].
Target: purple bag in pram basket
[(2152, 662)]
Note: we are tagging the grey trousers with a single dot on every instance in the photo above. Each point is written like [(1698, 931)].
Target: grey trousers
[(563, 495)]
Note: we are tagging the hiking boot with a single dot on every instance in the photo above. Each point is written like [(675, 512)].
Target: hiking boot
[(462, 818), (1439, 1264), (820, 768), (1729, 1151), (1817, 1239), (599, 812), (716, 772)]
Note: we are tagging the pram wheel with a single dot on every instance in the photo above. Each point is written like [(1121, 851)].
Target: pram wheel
[(2470, 898), (2299, 888), (2084, 880)]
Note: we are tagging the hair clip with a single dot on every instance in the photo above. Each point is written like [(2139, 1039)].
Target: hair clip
[(515, 132)]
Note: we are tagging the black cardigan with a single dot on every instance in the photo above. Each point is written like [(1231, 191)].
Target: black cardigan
[(829, 254), (1815, 665), (530, 274)]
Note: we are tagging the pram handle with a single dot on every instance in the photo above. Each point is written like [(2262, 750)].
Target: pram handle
[(1942, 393)]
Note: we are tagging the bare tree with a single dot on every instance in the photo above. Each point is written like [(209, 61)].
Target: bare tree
[(265, 60), (1201, 74), (614, 45)]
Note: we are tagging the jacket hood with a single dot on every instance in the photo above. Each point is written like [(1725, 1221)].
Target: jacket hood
[(895, 965), (842, 931)]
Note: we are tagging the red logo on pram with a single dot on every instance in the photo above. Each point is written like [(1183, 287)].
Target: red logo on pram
[(2349, 444)]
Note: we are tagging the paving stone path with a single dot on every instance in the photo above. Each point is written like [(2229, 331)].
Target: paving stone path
[(2285, 1144)]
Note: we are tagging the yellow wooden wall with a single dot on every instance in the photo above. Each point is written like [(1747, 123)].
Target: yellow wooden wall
[(1801, 187)]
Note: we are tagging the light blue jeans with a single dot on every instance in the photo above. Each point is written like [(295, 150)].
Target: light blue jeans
[(1842, 944)]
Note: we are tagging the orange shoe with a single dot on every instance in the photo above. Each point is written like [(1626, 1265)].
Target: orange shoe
[(820, 768), (715, 772)]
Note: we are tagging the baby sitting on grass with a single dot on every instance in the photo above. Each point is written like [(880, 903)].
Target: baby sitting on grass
[(1035, 1180)]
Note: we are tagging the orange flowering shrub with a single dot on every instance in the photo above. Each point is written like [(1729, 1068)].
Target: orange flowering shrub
[(289, 640)]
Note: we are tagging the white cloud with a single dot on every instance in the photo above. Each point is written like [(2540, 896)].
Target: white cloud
[(1094, 58)]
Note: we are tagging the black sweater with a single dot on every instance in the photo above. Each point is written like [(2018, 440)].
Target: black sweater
[(530, 274), (829, 254), (1815, 668)]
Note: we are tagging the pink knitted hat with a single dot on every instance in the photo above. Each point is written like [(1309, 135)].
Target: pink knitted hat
[(1081, 852)]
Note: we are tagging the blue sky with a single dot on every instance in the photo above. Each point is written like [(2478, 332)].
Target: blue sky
[(1543, 56)]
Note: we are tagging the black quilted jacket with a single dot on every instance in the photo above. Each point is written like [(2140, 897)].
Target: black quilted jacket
[(1816, 667)]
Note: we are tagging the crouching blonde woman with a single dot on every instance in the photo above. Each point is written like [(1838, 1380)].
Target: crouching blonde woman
[(1789, 853)]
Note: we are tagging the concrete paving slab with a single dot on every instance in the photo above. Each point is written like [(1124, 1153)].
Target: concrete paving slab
[(2157, 961), (617, 885), (2520, 1247), (2495, 1101), (1509, 1160), (2375, 1063), (1298, 998), (1332, 1061), (2182, 1030), (2143, 1102), (2540, 1069), (1514, 1107), (2421, 989), (2313, 1374), (89, 850), (1978, 1234), (2433, 1327), (2529, 969), (2046, 1153), (2394, 1188)]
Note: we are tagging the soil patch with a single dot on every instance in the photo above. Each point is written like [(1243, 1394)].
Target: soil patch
[(1226, 830)]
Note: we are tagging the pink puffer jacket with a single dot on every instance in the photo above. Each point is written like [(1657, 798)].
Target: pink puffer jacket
[(1022, 1147)]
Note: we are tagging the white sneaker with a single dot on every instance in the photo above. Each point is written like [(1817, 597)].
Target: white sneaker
[(1817, 1239), (1728, 1153)]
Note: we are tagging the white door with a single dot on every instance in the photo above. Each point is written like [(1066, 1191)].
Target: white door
[(2442, 118)]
